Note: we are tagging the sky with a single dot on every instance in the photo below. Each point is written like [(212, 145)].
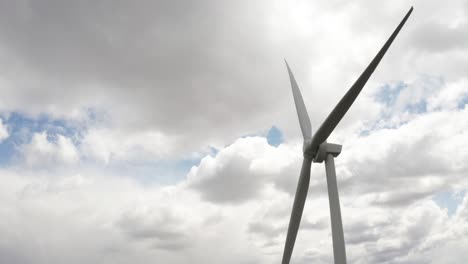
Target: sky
[(166, 132)]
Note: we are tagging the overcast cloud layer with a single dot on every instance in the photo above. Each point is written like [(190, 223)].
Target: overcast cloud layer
[(141, 131)]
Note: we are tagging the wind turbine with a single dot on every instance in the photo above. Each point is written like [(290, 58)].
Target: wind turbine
[(316, 149)]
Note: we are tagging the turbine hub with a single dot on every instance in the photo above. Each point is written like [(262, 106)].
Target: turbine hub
[(307, 149), (325, 149)]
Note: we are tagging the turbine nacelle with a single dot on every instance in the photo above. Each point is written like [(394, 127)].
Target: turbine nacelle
[(327, 148), (318, 153), (311, 148)]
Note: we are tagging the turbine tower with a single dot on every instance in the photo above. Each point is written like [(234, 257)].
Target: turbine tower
[(316, 149)]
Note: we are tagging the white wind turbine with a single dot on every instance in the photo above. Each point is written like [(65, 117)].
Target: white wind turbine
[(316, 149)]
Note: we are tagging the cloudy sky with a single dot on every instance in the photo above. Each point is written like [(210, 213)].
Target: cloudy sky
[(165, 131)]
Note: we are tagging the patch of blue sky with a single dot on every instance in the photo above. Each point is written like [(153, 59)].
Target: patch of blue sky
[(417, 108), (462, 102), (274, 136), (22, 127), (377, 125), (167, 172), (213, 151), (449, 200), (388, 96), (388, 93)]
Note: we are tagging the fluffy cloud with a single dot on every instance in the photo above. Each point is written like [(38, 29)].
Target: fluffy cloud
[(159, 82), (136, 222), (107, 145), (3, 131), (202, 75), (64, 212), (241, 171), (44, 152)]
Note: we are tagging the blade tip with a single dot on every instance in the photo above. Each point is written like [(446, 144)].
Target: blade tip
[(287, 66)]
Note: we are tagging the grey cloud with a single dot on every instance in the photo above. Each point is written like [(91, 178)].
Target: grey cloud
[(231, 183), (266, 229), (270, 229), (403, 198), (164, 65), (314, 225), (361, 232), (403, 234), (13, 256), (434, 37), (287, 179), (239, 172), (440, 33), (411, 166), (315, 256), (207, 72), (163, 229), (362, 237)]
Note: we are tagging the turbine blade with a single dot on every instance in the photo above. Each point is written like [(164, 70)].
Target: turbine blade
[(304, 120), (342, 107), (298, 207)]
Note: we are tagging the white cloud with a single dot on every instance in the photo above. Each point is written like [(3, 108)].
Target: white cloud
[(142, 224), (171, 82), (45, 152), (105, 145), (132, 222), (206, 86), (240, 171), (3, 131), (450, 96)]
